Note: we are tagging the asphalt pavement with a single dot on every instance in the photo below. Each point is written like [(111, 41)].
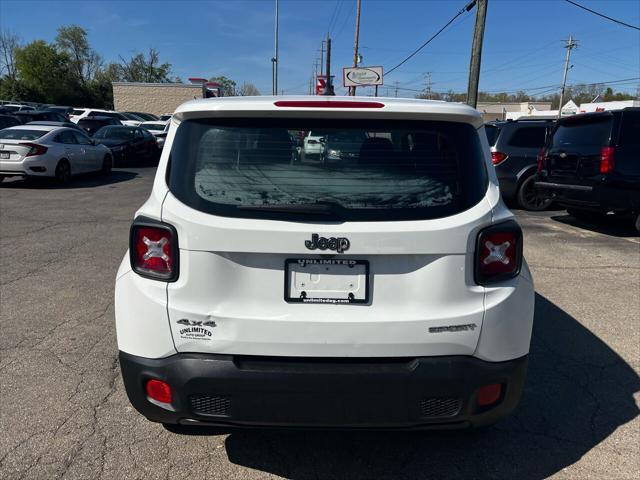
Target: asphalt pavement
[(64, 412)]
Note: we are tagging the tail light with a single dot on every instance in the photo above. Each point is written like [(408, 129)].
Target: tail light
[(34, 149), (498, 253), (498, 157), (489, 394), (541, 160), (607, 159), (153, 249), (159, 391)]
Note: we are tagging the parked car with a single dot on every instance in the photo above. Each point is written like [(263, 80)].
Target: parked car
[(49, 151), (158, 129), (26, 116), (257, 292), (591, 164), (64, 111), (128, 144), (8, 121), (165, 117), (15, 107), (145, 116), (92, 124), (312, 145), (514, 150), (57, 124), (342, 147)]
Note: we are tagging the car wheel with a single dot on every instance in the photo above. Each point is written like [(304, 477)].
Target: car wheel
[(530, 199), (107, 165), (63, 172)]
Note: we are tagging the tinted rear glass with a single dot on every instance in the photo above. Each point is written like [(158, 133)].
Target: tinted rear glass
[(115, 133), (630, 129), (492, 134), (368, 170), (528, 137), (153, 126), (584, 132), (21, 134)]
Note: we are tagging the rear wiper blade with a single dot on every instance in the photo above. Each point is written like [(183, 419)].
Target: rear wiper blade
[(308, 208)]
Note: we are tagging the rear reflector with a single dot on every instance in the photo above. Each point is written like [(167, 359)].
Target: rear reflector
[(498, 157), (159, 391), (326, 104), (498, 253), (607, 159), (489, 394), (153, 249)]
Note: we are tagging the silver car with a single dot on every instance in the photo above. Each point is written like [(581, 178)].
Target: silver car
[(49, 151)]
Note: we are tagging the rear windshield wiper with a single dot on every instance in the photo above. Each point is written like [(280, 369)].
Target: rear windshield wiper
[(303, 208)]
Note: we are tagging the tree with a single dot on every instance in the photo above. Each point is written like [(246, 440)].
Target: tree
[(141, 68), (227, 86), (44, 73), (84, 62), (248, 90), (9, 43)]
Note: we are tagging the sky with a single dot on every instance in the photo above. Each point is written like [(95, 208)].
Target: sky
[(523, 42)]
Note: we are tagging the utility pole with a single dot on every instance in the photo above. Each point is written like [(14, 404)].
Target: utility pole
[(476, 53), (352, 90), (274, 60), (571, 44), (428, 84), (396, 84), (322, 58), (329, 88)]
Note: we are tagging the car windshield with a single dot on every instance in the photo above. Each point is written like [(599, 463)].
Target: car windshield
[(21, 134), (583, 132), (401, 170), (115, 133)]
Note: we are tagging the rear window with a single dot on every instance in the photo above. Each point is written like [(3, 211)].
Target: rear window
[(583, 132), (492, 134), (367, 170), (115, 133), (630, 129), (21, 134), (153, 126), (528, 137)]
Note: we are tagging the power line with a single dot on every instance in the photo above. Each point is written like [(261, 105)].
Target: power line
[(602, 15), (466, 8)]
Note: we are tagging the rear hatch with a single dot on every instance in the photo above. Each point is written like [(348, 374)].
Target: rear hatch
[(574, 152), (370, 256)]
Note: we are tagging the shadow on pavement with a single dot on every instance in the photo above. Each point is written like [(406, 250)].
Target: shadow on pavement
[(578, 391), (80, 181), (609, 225)]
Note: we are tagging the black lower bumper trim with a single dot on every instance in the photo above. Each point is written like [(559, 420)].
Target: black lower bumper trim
[(405, 393)]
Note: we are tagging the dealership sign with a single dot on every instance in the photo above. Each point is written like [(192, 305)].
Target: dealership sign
[(361, 76)]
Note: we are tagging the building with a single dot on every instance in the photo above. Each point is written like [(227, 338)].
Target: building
[(602, 106), (498, 110), (160, 98), (569, 108)]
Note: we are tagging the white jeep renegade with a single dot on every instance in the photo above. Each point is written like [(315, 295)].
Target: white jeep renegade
[(380, 287)]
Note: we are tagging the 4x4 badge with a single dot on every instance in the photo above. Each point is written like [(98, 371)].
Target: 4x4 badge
[(339, 244)]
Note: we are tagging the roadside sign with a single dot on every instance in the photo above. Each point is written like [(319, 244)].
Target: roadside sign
[(321, 85), (362, 76)]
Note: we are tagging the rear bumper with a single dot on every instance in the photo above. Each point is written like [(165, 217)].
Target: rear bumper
[(237, 391), (601, 196)]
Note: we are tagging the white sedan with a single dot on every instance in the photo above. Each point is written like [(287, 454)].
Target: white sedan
[(48, 151), (158, 129)]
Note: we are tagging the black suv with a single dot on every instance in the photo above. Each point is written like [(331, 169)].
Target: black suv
[(514, 149), (591, 164)]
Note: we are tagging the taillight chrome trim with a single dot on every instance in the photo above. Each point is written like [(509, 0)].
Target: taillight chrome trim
[(509, 226), (146, 222)]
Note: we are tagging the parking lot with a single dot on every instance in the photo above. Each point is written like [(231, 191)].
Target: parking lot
[(65, 413)]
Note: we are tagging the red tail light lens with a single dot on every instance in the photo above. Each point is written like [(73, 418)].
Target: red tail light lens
[(541, 160), (153, 250), (326, 104), (498, 253), (498, 157), (159, 391), (34, 149), (607, 159)]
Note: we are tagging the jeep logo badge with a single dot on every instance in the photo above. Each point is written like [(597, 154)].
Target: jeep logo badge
[(339, 244)]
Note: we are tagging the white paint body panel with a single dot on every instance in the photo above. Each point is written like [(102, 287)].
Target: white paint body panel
[(232, 271)]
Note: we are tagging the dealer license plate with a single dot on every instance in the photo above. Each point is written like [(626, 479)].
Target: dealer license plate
[(336, 281)]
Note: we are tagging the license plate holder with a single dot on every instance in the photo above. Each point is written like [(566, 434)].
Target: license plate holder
[(330, 281)]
